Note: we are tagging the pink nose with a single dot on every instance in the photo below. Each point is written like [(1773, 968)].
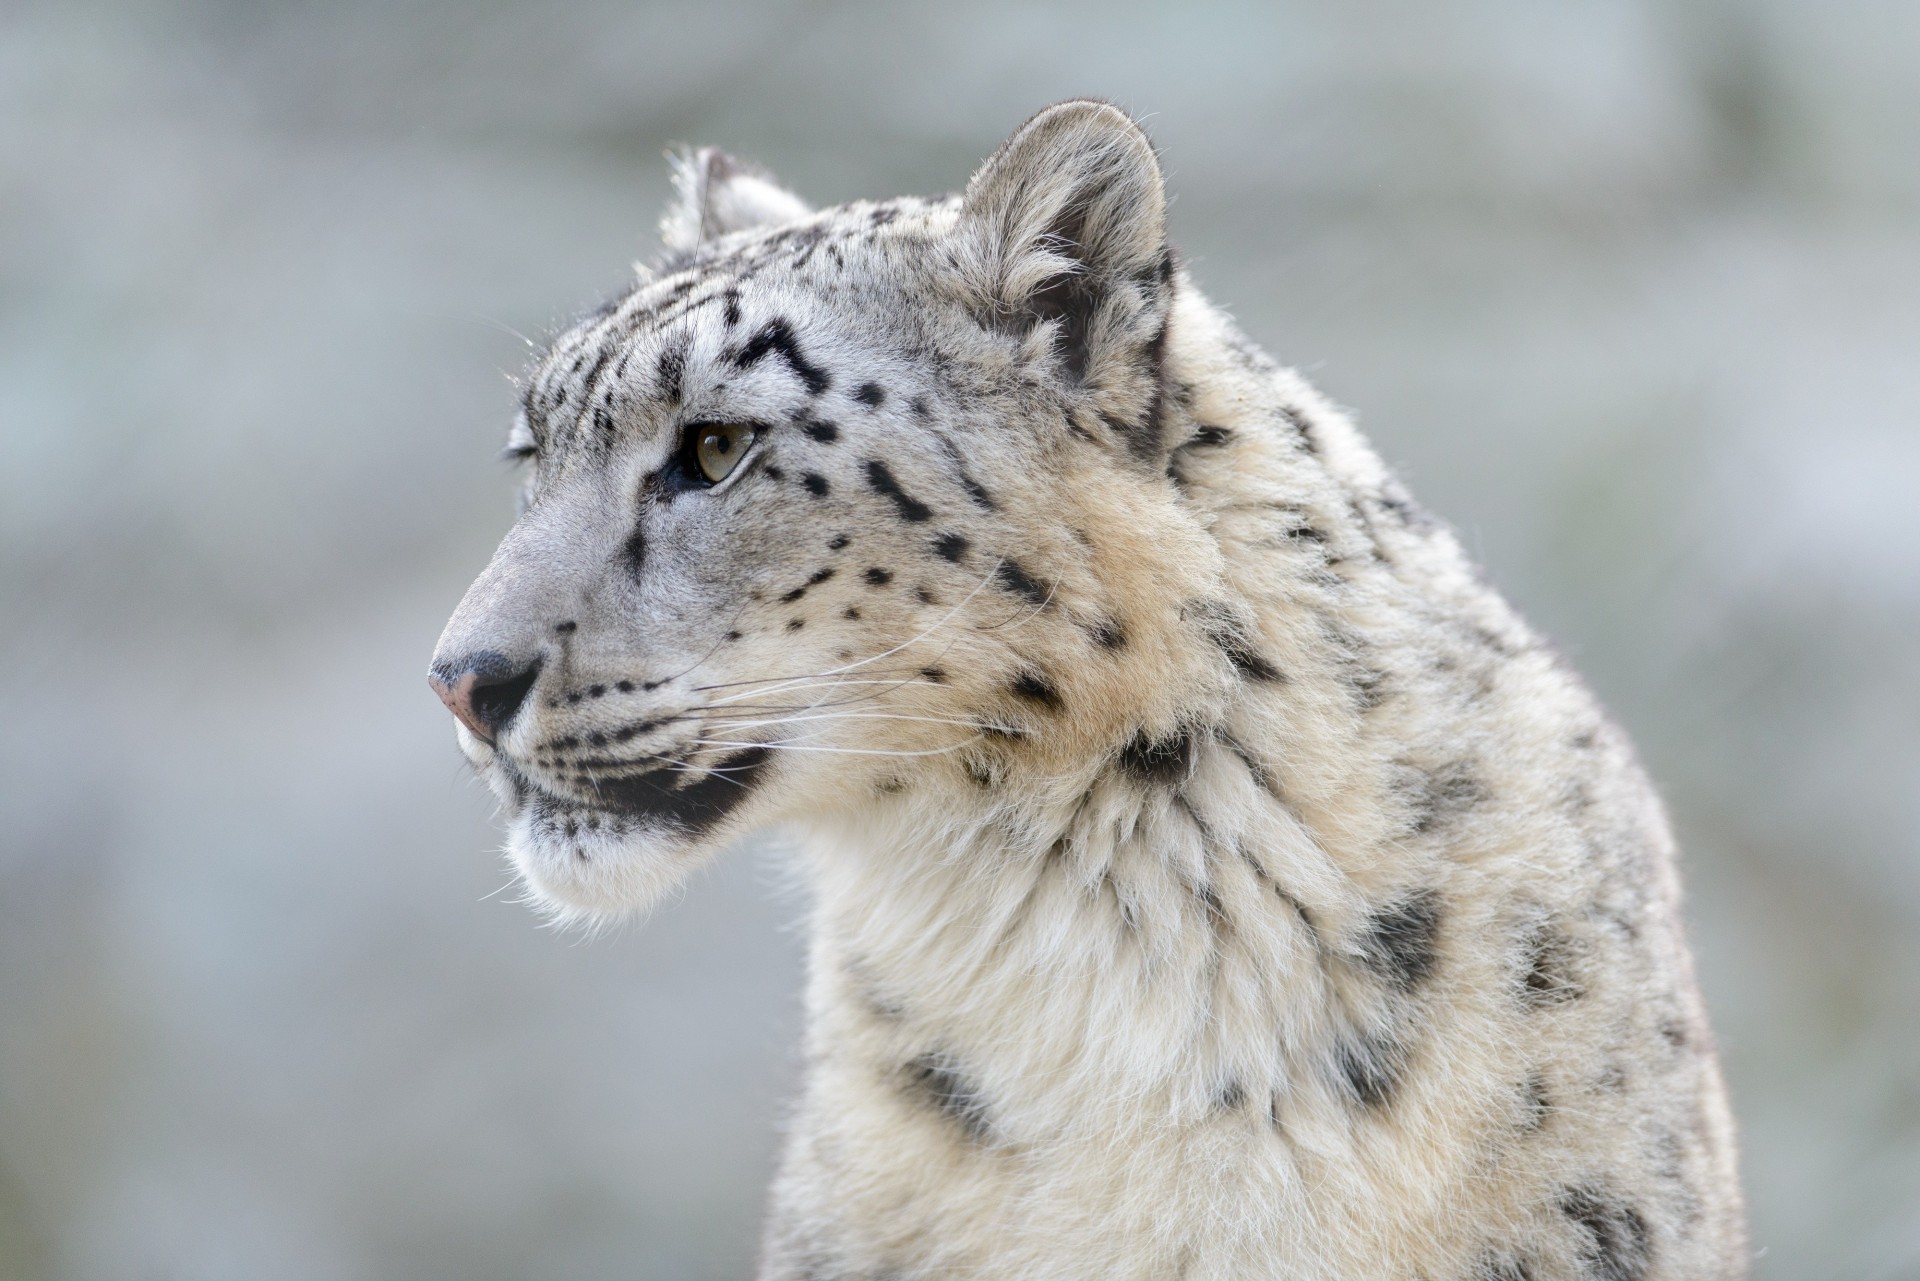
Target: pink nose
[(484, 692)]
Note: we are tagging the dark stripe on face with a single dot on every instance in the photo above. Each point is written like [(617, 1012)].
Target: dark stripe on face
[(671, 370), (911, 509), (776, 337), (694, 808)]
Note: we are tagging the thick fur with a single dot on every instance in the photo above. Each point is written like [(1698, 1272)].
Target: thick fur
[(1212, 877)]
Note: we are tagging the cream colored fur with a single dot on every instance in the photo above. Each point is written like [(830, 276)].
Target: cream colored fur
[(1212, 877)]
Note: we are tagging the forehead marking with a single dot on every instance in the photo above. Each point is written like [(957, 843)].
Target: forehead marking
[(776, 338)]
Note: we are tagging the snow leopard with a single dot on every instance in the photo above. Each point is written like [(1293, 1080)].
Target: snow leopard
[(1210, 876)]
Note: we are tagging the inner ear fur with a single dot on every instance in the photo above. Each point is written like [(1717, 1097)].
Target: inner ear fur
[(1065, 225), (716, 195)]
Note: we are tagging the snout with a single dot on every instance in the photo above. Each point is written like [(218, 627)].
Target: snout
[(514, 616)]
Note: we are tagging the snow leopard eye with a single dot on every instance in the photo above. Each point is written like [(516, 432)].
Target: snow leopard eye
[(717, 448)]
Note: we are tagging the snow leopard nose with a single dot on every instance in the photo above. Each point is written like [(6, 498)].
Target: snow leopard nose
[(484, 690)]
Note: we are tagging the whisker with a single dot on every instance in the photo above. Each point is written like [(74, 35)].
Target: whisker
[(848, 716), (942, 621), (840, 751)]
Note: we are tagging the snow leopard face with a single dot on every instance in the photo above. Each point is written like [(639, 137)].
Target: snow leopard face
[(835, 505)]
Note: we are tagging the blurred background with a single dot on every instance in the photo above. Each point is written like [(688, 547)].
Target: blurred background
[(1630, 292)]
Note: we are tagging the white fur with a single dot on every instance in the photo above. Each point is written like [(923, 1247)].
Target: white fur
[(1212, 877)]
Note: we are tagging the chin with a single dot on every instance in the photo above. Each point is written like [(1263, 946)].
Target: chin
[(618, 847), (588, 869)]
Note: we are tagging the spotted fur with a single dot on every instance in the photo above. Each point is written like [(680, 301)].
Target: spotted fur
[(1212, 877)]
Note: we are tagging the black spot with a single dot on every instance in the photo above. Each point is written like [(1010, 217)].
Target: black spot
[(1227, 632), (670, 371), (919, 407), (1501, 1267), (824, 432), (1211, 437), (1444, 794), (1547, 967), (598, 691), (819, 576), (1401, 507), (566, 628), (838, 541), (1370, 1065), (1399, 942), (805, 241), (882, 215), (877, 577), (665, 797), (1618, 1246), (774, 473), (950, 547), (730, 310), (911, 509), (1165, 761), (1107, 634), (625, 687), (1018, 581), (815, 483), (977, 492), (1535, 1106), (1302, 427), (934, 674), (1368, 686), (1306, 533), (873, 395), (1036, 688), (795, 624), (776, 337), (1230, 1096), (732, 636), (851, 614), (938, 1083), (924, 595)]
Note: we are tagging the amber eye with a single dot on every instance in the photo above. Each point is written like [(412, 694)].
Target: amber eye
[(718, 448)]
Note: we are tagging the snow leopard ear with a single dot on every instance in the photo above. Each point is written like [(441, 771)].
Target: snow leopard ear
[(1066, 226), (717, 194)]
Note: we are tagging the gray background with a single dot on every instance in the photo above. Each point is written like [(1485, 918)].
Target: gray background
[(1629, 291)]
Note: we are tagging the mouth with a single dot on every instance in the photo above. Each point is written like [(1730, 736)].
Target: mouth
[(615, 843), (675, 796)]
